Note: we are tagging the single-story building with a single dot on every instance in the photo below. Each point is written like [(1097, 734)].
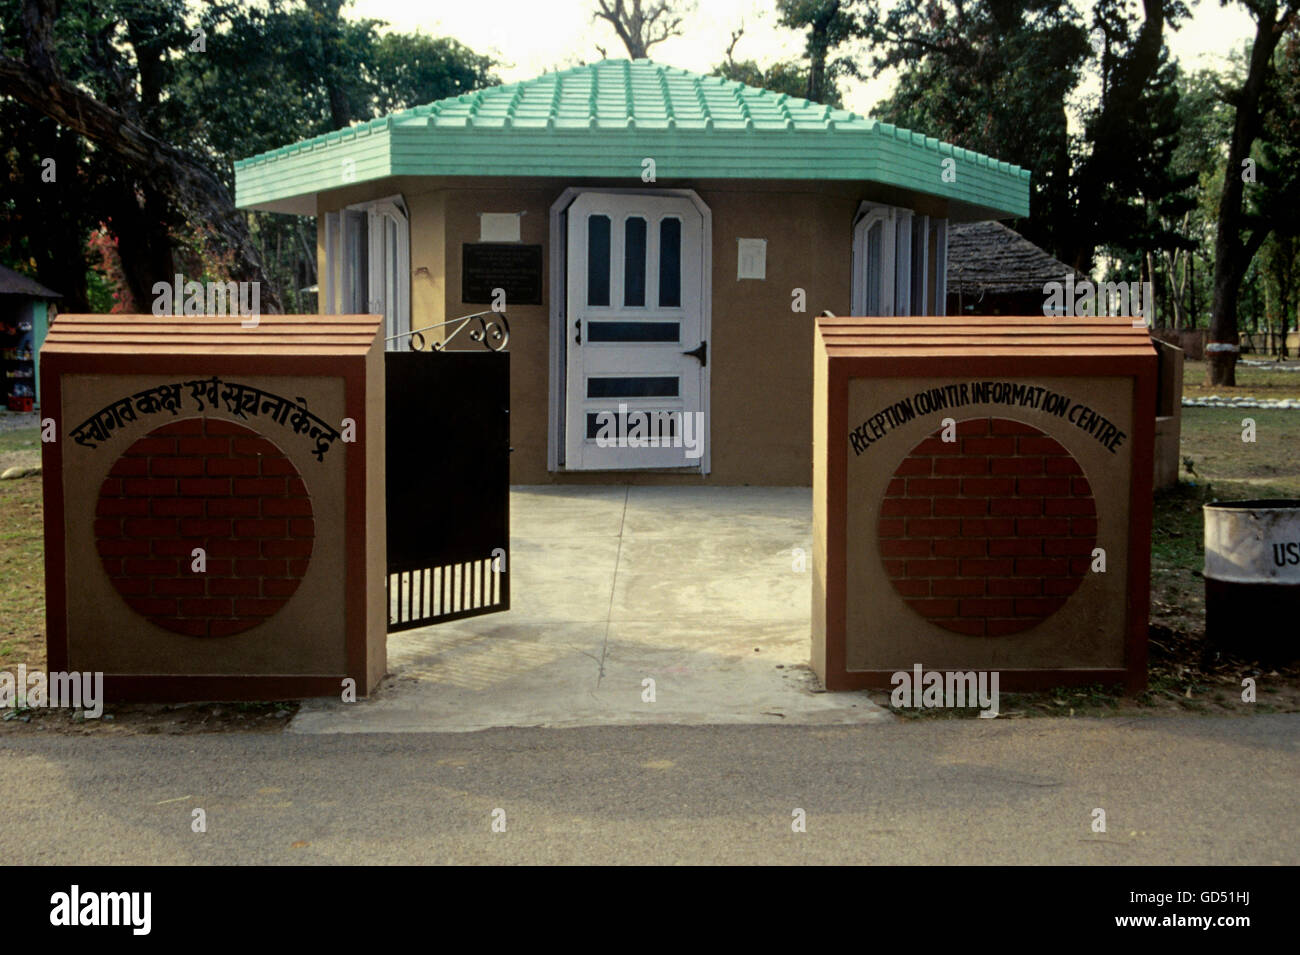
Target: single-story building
[(662, 241), (25, 306)]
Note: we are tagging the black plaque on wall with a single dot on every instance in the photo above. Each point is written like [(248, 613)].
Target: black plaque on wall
[(505, 265)]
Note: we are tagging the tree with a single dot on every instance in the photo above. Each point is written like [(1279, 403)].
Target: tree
[(786, 76), (830, 25), (640, 24), (1238, 238)]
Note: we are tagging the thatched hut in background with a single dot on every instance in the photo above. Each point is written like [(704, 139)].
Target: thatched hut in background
[(993, 270)]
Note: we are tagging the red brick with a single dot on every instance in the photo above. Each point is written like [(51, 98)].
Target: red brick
[(991, 528), (130, 467), (176, 507), (292, 548), (299, 567), (205, 607), (178, 586), (933, 446), (260, 568), (111, 488), (988, 487), (237, 587), (217, 426), (987, 608), (961, 466), (189, 626), (1047, 566), (1033, 465), (1066, 506), (262, 528), (256, 487), (1043, 525), (112, 565), (1043, 486), (286, 587), (184, 426), (895, 568), (997, 628), (146, 447), (923, 527), (959, 547), (226, 467), (960, 507), (1016, 547), (297, 488), (122, 548), (123, 507), (904, 548), (149, 567), (152, 606), (1039, 606), (1084, 526), (1080, 486), (132, 586), (233, 548), (205, 527), (988, 445), (205, 487), (888, 527), (1002, 567), (932, 568), (150, 527), (108, 527), (1068, 547), (1080, 565), (1063, 466), (911, 467), (175, 547), (234, 507), (255, 446), (219, 568), (934, 608), (933, 487), (1019, 507), (1060, 586), (975, 428), (1039, 445), (205, 446), (148, 487), (283, 466), (176, 467), (896, 488), (957, 587), (1003, 426), (249, 607), (290, 507), (1015, 586), (889, 507)]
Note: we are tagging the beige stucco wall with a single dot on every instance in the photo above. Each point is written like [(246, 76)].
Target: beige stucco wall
[(760, 352)]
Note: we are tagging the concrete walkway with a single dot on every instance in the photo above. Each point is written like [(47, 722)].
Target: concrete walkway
[(693, 588)]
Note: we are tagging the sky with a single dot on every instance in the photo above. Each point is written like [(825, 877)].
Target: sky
[(529, 36)]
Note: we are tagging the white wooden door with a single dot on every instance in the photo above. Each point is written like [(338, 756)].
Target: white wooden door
[(637, 362)]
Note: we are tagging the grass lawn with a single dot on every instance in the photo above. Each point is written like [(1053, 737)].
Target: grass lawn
[(1251, 382)]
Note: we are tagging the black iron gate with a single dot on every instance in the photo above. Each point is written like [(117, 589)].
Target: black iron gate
[(448, 484)]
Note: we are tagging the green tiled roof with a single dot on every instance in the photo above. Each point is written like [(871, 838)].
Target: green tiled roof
[(603, 119)]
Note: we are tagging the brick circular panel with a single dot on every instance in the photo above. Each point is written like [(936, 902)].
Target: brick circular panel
[(207, 483), (991, 533)]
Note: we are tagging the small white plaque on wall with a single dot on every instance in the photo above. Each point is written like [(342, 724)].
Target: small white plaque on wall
[(751, 259), (498, 226)]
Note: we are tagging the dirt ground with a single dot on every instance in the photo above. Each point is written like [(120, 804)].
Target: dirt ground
[(1186, 675)]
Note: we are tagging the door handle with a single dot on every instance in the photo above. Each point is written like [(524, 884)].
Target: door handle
[(577, 327), (700, 353)]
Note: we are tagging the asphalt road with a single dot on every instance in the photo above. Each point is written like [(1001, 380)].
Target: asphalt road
[(1178, 790)]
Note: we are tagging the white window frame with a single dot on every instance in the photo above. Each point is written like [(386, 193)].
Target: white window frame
[(868, 215), (898, 278), (384, 226)]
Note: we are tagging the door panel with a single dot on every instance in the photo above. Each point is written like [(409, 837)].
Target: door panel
[(635, 306)]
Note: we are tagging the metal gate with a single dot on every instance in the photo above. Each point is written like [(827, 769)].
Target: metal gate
[(448, 484)]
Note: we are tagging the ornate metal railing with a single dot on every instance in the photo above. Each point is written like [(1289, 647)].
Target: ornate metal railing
[(493, 334)]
